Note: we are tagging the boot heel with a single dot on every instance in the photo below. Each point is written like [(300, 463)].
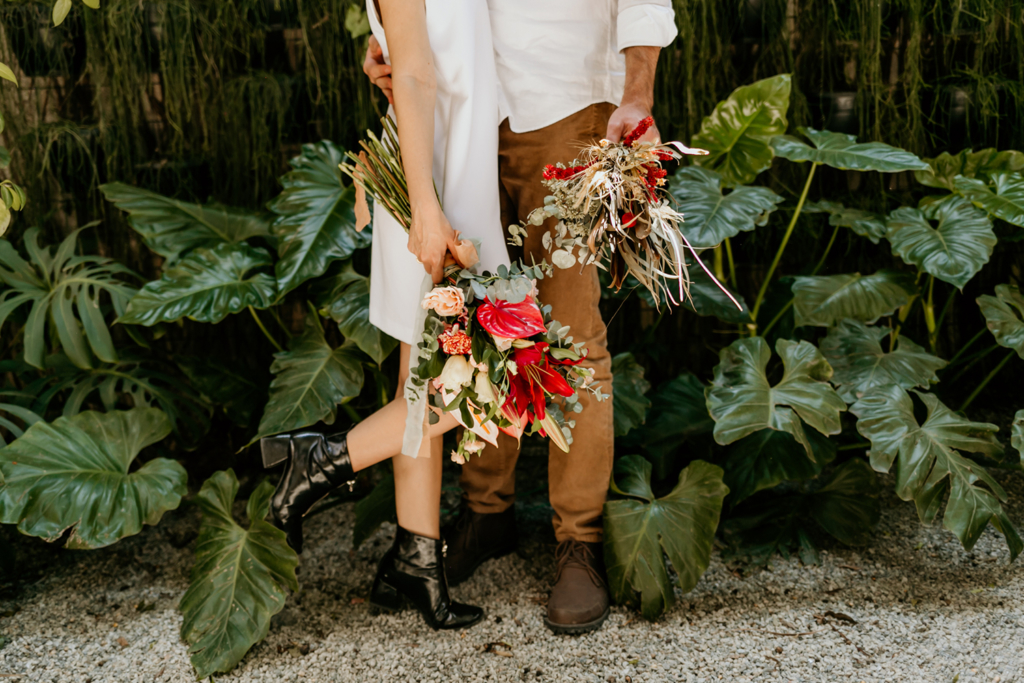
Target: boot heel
[(385, 598), (275, 449)]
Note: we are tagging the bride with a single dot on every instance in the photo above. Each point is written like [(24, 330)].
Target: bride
[(446, 107)]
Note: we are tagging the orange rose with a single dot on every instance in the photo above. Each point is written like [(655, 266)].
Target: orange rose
[(447, 301)]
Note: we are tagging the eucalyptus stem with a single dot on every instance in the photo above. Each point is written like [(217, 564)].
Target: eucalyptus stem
[(988, 378), (785, 240), (828, 248), (732, 264), (264, 329)]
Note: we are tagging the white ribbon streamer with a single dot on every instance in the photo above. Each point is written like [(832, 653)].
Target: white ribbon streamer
[(416, 396)]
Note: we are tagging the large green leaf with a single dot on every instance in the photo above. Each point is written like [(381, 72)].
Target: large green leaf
[(678, 413), (638, 529), (1017, 434), (767, 458), (316, 220), (171, 227), (1002, 197), (75, 473), (238, 579), (207, 286), (954, 250), (864, 223), (821, 300), (59, 285), (15, 417), (311, 380), (708, 299), (741, 400), (842, 151), (738, 132), (1003, 314), (855, 352), (711, 215), (239, 390), (928, 464), (375, 509), (345, 298), (943, 169), (628, 389)]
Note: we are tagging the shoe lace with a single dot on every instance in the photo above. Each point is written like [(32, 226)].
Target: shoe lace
[(577, 554)]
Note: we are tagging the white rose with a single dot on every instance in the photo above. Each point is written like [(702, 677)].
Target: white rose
[(484, 389), (456, 374), (503, 343)]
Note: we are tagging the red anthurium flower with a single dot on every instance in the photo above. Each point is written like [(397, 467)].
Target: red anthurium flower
[(512, 321)]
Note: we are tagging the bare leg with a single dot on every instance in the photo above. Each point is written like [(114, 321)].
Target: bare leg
[(417, 480)]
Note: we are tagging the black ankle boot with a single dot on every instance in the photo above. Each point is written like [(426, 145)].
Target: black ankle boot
[(413, 570), (317, 464)]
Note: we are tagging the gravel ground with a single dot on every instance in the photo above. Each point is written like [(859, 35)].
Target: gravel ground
[(911, 607)]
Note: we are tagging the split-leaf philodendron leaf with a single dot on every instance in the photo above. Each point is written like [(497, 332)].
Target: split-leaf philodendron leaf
[(238, 579), (711, 214), (1002, 198), (738, 132), (768, 457), (821, 300), (929, 464), (943, 170), (629, 387), (1017, 434), (842, 151), (75, 473), (1003, 314), (641, 529), (864, 223), (855, 352), (345, 298)]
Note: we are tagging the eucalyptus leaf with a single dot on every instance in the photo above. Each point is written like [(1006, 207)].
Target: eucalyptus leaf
[(842, 151), (929, 464), (316, 220), (954, 250), (681, 525), (238, 580), (75, 473), (821, 300), (855, 352), (1002, 197), (172, 228), (345, 298), (738, 132), (1003, 314), (628, 389), (943, 169), (710, 215), (769, 457), (207, 286)]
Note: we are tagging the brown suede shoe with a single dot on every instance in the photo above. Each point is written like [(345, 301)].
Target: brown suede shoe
[(579, 598), (475, 538)]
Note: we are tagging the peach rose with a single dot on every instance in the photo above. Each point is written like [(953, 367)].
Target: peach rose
[(447, 301)]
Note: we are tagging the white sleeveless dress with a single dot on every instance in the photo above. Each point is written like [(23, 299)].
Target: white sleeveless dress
[(466, 120)]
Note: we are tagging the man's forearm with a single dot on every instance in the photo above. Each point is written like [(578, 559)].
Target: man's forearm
[(641, 65)]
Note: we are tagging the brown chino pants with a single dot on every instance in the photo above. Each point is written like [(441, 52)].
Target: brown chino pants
[(577, 480)]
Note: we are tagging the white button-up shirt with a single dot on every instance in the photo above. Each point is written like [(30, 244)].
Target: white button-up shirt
[(557, 57)]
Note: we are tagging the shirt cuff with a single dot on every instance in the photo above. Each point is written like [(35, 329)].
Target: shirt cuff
[(646, 25)]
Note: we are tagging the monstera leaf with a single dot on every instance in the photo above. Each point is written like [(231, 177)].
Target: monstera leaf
[(943, 169), (239, 390), (1002, 198), (640, 528), (345, 298), (75, 474), (316, 220), (207, 286), (12, 407), (238, 579), (171, 227), (628, 389), (767, 458), (954, 250), (842, 151), (310, 380), (821, 300), (678, 412), (738, 132), (1003, 316), (710, 215), (855, 352), (741, 401), (864, 223), (928, 464), (1017, 434), (59, 285)]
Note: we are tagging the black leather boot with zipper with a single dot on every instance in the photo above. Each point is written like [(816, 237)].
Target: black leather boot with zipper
[(316, 465), (412, 571)]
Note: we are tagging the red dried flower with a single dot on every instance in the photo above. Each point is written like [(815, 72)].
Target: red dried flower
[(555, 173), (455, 342), (638, 132)]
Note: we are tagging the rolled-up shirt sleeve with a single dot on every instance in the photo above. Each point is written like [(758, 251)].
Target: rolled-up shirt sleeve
[(646, 22)]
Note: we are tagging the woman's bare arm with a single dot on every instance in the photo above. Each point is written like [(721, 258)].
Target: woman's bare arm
[(415, 91)]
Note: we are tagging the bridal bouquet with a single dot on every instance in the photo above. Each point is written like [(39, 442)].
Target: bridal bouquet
[(613, 211), (490, 351)]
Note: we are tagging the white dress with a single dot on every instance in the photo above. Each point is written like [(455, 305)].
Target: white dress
[(466, 120)]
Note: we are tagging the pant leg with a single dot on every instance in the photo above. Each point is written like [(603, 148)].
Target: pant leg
[(578, 480)]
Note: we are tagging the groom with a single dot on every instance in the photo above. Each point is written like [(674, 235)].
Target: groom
[(571, 71)]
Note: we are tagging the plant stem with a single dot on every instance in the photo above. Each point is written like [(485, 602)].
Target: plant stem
[(929, 314), (975, 359), (280, 323), (967, 346), (777, 318), (945, 308), (732, 264), (854, 446), (719, 265), (995, 371), (351, 412), (264, 329), (828, 248), (785, 240)]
